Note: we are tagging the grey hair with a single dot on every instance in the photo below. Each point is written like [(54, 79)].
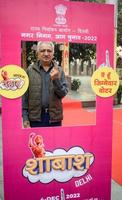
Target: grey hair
[(42, 42)]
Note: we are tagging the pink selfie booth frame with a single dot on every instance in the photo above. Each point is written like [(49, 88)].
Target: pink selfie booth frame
[(60, 21)]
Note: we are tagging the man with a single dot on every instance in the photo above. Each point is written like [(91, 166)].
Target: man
[(42, 103)]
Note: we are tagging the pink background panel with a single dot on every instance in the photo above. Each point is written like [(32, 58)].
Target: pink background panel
[(98, 19)]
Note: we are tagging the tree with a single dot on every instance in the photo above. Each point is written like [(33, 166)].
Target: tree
[(119, 24), (86, 52)]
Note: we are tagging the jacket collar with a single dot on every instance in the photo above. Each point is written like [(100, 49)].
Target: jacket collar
[(37, 66)]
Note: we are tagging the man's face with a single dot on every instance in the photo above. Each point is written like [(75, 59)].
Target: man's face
[(45, 54)]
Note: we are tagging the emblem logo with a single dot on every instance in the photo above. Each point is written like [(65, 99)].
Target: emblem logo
[(61, 12)]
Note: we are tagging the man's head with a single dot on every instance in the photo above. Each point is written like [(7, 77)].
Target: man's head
[(45, 52)]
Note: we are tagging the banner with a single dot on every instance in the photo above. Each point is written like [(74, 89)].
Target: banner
[(73, 162)]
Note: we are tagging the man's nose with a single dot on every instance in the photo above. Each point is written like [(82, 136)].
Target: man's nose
[(46, 52)]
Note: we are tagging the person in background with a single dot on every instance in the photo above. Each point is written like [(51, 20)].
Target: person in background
[(42, 102)]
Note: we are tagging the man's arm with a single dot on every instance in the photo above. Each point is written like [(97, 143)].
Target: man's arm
[(59, 82)]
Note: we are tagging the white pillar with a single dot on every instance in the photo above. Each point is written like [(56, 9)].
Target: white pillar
[(115, 3)]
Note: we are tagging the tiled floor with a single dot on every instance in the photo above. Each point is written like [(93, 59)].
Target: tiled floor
[(85, 91), (116, 193)]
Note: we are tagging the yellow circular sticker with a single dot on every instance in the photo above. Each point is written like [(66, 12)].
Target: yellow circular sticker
[(105, 81), (13, 81)]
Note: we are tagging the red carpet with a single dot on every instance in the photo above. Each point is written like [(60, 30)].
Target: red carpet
[(71, 103), (75, 115)]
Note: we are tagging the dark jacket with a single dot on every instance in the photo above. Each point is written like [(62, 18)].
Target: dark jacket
[(32, 105)]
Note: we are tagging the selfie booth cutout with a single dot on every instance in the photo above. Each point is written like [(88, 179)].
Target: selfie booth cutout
[(90, 145)]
